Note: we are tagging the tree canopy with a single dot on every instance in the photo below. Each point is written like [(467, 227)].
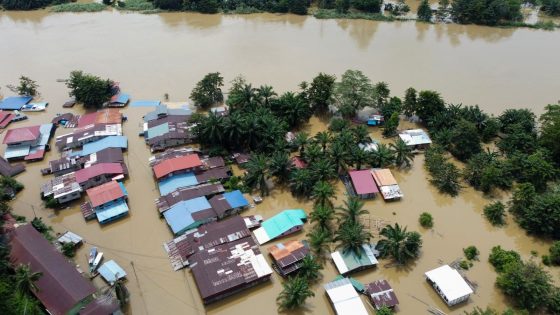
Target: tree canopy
[(208, 90), (89, 90)]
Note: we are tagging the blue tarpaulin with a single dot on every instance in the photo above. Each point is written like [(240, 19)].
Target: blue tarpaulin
[(14, 102), (104, 143), (171, 183), (180, 216), (235, 199), (145, 103)]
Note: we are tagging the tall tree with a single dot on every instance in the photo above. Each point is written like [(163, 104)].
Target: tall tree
[(351, 211), (424, 11), (410, 102), (294, 294), (320, 92), (399, 243), (265, 93), (351, 236), (550, 130), (257, 173), (89, 90), (319, 239), (323, 194), (25, 279), (323, 138), (280, 166), (207, 91), (322, 215), (353, 93), (310, 269), (429, 105), (403, 153), (382, 157), (26, 87)]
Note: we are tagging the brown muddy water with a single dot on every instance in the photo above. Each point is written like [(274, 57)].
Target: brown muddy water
[(155, 54)]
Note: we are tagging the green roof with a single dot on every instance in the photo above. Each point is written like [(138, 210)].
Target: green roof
[(357, 284), (158, 130), (283, 221)]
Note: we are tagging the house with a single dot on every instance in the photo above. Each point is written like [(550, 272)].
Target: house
[(169, 134), (87, 134), (241, 158), (187, 179), (348, 261), (381, 294), (70, 238), (111, 272), (28, 143), (387, 184), (189, 214), (14, 102), (118, 100), (205, 237), (62, 188), (298, 162), (449, 284), (416, 138), (363, 183), (5, 118), (185, 193), (161, 111), (282, 224), (228, 203), (10, 170), (108, 201), (98, 174), (213, 174), (229, 268), (172, 153), (287, 257), (344, 298), (120, 142), (67, 120), (61, 288), (375, 120), (73, 163), (168, 167), (107, 116)]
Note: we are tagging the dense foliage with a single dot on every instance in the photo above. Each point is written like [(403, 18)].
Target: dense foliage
[(214, 6), (527, 284), (28, 4), (426, 220), (424, 11), (90, 90), (208, 91), (551, 7), (537, 213), (487, 12), (399, 243), (495, 213)]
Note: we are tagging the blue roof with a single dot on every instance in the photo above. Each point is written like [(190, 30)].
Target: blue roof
[(235, 199), (14, 102), (111, 271), (46, 130), (175, 181), (111, 211), (123, 189), (283, 222), (180, 216), (121, 98), (145, 103), (104, 143), (157, 131)]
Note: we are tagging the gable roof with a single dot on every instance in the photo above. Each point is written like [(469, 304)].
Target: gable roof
[(14, 102), (185, 193), (415, 137), (98, 169), (103, 143), (172, 183), (180, 163), (450, 282), (348, 261), (381, 294), (61, 287), (363, 182), (383, 177), (22, 134), (104, 193), (279, 224), (344, 298), (187, 213)]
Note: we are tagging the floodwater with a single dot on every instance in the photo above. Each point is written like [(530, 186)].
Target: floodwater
[(155, 54)]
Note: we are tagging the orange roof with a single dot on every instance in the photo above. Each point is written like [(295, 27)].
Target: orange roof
[(108, 116), (104, 193), (384, 177), (281, 252), (169, 166)]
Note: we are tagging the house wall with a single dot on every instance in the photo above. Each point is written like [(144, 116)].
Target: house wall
[(69, 197), (221, 295)]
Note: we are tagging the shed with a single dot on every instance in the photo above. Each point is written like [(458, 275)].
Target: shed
[(344, 298), (69, 237), (416, 138), (449, 284), (284, 223), (381, 294), (111, 271), (363, 183), (387, 184), (348, 261)]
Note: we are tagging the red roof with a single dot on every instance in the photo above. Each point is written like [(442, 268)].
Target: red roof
[(180, 163), (87, 119), (22, 134), (98, 169), (363, 182), (61, 286), (104, 193), (38, 155), (5, 118)]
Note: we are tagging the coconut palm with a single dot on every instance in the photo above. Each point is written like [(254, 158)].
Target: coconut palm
[(360, 157), (280, 166), (264, 94), (301, 140), (346, 138), (257, 173), (25, 279), (403, 153), (351, 211), (323, 170), (319, 239), (301, 182), (312, 153), (310, 268), (323, 193), (382, 157), (323, 216), (399, 244), (210, 130), (351, 236), (339, 157), (293, 108), (323, 138), (295, 291), (233, 129), (361, 134)]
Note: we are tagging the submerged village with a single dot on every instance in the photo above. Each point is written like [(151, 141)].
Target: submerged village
[(219, 163)]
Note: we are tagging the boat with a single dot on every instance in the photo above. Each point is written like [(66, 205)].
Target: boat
[(92, 255), (34, 107), (96, 262)]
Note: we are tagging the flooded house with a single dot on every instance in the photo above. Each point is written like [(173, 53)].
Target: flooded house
[(98, 174), (10, 170), (381, 294), (108, 116), (347, 261), (284, 223), (107, 202), (185, 193), (344, 298), (111, 272), (5, 118), (28, 143), (120, 142), (175, 165), (69, 164), (63, 188), (14, 102), (165, 128), (118, 100), (228, 268), (363, 184), (375, 120), (287, 257), (418, 139), (189, 179), (87, 134), (205, 237), (449, 284), (61, 288), (387, 184)]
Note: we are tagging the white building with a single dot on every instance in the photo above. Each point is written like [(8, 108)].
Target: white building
[(449, 284), (344, 298), (416, 138)]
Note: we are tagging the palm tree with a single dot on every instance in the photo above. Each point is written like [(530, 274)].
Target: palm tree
[(351, 236), (295, 291), (25, 279), (382, 157), (323, 170), (257, 173), (301, 181), (294, 109), (403, 153), (319, 239), (248, 95), (233, 129), (310, 268), (361, 134), (339, 157), (301, 140), (323, 216), (312, 153), (280, 166), (323, 193), (351, 211), (399, 244), (264, 94), (323, 138), (211, 130), (360, 157)]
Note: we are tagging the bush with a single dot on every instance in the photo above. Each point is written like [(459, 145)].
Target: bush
[(426, 220), (500, 258), (495, 213), (69, 250), (471, 252), (88, 89), (79, 7), (555, 253), (173, 5), (465, 264), (528, 285), (24, 4), (546, 260), (371, 6)]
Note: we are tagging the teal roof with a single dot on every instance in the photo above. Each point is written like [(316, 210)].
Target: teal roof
[(357, 284), (157, 131), (283, 221)]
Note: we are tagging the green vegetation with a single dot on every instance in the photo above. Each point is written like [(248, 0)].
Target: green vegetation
[(495, 213), (384, 310), (486, 12), (27, 4), (294, 294), (89, 90), (424, 11), (310, 269), (426, 220), (488, 311), (208, 91), (342, 13), (527, 284), (500, 258), (445, 175), (551, 7), (555, 253), (471, 252), (42, 228), (26, 87), (537, 213), (69, 250), (79, 7), (142, 6), (353, 93), (400, 244)]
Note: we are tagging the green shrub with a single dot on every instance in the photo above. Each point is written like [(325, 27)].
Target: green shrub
[(471, 252), (546, 260), (464, 264), (500, 258), (426, 220), (495, 213), (68, 249), (79, 7), (555, 253)]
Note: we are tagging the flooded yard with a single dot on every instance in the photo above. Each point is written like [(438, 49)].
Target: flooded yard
[(168, 53)]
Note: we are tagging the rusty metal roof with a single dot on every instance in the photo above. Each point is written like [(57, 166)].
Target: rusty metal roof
[(185, 193), (181, 163), (104, 193)]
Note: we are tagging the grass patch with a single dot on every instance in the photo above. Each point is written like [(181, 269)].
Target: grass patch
[(78, 7), (243, 9), (548, 25), (141, 6), (333, 14)]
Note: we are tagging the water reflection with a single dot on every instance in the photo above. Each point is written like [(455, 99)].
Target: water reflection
[(361, 31), (191, 20)]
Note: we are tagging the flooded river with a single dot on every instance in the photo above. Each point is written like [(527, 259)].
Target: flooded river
[(156, 54)]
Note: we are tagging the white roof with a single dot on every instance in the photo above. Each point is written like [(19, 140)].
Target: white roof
[(261, 235), (450, 282), (415, 137), (344, 297), (70, 237)]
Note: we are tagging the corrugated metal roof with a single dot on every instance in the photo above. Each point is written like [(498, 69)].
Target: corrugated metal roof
[(279, 224), (7, 169), (235, 199), (157, 131), (363, 182), (415, 137), (163, 203), (107, 142), (348, 261), (217, 173), (111, 271), (176, 181), (383, 177), (450, 282), (104, 193), (14, 102), (85, 174), (381, 294), (344, 298), (182, 215), (111, 211), (16, 151), (145, 103), (180, 163), (22, 134), (121, 98)]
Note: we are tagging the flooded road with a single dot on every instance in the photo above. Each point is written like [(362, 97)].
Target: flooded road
[(168, 53)]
